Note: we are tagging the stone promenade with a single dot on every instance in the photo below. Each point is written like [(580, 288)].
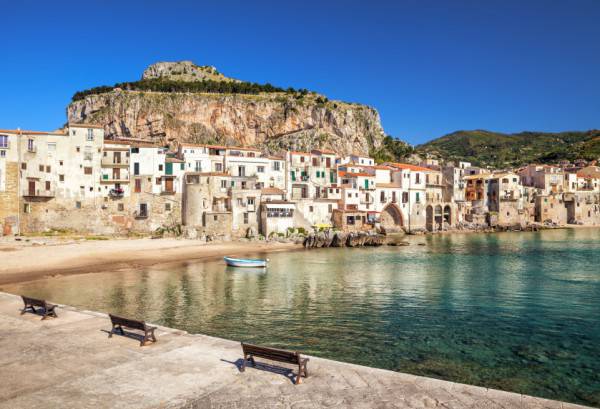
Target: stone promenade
[(70, 362)]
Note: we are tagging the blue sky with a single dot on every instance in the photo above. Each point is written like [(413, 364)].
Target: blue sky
[(429, 67)]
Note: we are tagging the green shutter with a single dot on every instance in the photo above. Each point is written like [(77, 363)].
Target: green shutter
[(293, 176), (366, 183), (331, 177), (169, 168), (182, 167)]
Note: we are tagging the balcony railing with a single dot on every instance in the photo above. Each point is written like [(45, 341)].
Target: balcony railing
[(38, 193), (112, 162)]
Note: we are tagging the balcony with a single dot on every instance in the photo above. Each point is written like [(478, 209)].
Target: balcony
[(108, 179), (40, 193), (108, 162)]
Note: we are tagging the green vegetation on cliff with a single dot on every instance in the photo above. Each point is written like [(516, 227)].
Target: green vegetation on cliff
[(391, 150), (168, 85), (485, 148)]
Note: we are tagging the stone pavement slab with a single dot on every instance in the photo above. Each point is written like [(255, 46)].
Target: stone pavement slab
[(69, 362)]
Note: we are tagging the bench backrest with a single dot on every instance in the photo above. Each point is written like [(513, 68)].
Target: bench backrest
[(271, 353), (34, 301), (127, 322)]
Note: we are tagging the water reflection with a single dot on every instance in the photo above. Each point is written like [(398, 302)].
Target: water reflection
[(513, 311)]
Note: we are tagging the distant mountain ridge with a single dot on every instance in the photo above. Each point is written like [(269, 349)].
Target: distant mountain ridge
[(500, 150)]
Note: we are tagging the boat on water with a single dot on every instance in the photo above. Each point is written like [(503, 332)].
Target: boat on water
[(245, 262)]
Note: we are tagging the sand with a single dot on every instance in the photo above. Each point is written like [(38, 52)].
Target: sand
[(40, 258)]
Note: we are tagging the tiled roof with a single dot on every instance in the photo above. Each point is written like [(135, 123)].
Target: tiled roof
[(408, 166)]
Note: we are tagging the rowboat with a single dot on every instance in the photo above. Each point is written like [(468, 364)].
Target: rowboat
[(245, 262)]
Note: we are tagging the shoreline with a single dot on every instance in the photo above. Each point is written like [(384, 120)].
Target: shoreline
[(42, 258)]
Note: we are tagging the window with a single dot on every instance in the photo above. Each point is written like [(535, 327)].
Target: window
[(417, 178), (78, 149), (276, 166), (41, 167), (245, 218), (314, 162), (330, 208), (239, 201), (301, 158), (250, 201), (120, 207), (215, 217), (23, 166), (87, 170), (30, 145), (61, 178), (418, 196), (198, 166), (138, 185), (47, 185), (136, 168), (223, 184), (51, 147), (241, 171), (47, 169), (27, 208), (61, 163), (78, 205), (168, 207), (158, 181), (3, 141), (160, 168), (2, 154), (260, 169), (218, 167), (311, 209), (90, 134)]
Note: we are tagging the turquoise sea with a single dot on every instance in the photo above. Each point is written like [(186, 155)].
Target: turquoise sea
[(513, 311)]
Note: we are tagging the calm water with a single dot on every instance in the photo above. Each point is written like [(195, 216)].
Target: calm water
[(514, 311)]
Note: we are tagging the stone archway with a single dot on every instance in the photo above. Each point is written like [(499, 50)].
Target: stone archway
[(439, 217), (391, 218), (448, 215), (429, 218)]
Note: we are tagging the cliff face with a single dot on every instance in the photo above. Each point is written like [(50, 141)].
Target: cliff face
[(273, 121)]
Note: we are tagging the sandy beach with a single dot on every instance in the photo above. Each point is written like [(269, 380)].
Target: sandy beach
[(34, 258)]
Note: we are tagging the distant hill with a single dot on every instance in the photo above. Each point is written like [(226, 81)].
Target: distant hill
[(486, 148)]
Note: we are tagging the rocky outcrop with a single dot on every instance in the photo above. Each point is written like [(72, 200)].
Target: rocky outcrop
[(273, 121), (341, 239), (183, 71)]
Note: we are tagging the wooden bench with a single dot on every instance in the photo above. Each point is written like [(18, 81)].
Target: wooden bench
[(281, 355), (49, 310), (119, 322)]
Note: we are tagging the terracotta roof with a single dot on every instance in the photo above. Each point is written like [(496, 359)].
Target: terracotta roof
[(25, 132), (408, 166), (343, 173), (271, 191)]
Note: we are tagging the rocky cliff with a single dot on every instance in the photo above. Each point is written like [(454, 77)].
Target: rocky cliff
[(272, 120)]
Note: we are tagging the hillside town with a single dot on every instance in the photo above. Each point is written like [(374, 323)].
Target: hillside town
[(76, 180)]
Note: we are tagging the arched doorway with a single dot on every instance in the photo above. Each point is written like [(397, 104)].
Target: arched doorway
[(448, 215), (429, 218), (438, 217), (391, 218)]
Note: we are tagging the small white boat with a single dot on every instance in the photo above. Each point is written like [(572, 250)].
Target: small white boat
[(245, 262)]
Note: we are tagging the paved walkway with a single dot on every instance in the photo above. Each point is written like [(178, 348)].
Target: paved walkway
[(70, 362)]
